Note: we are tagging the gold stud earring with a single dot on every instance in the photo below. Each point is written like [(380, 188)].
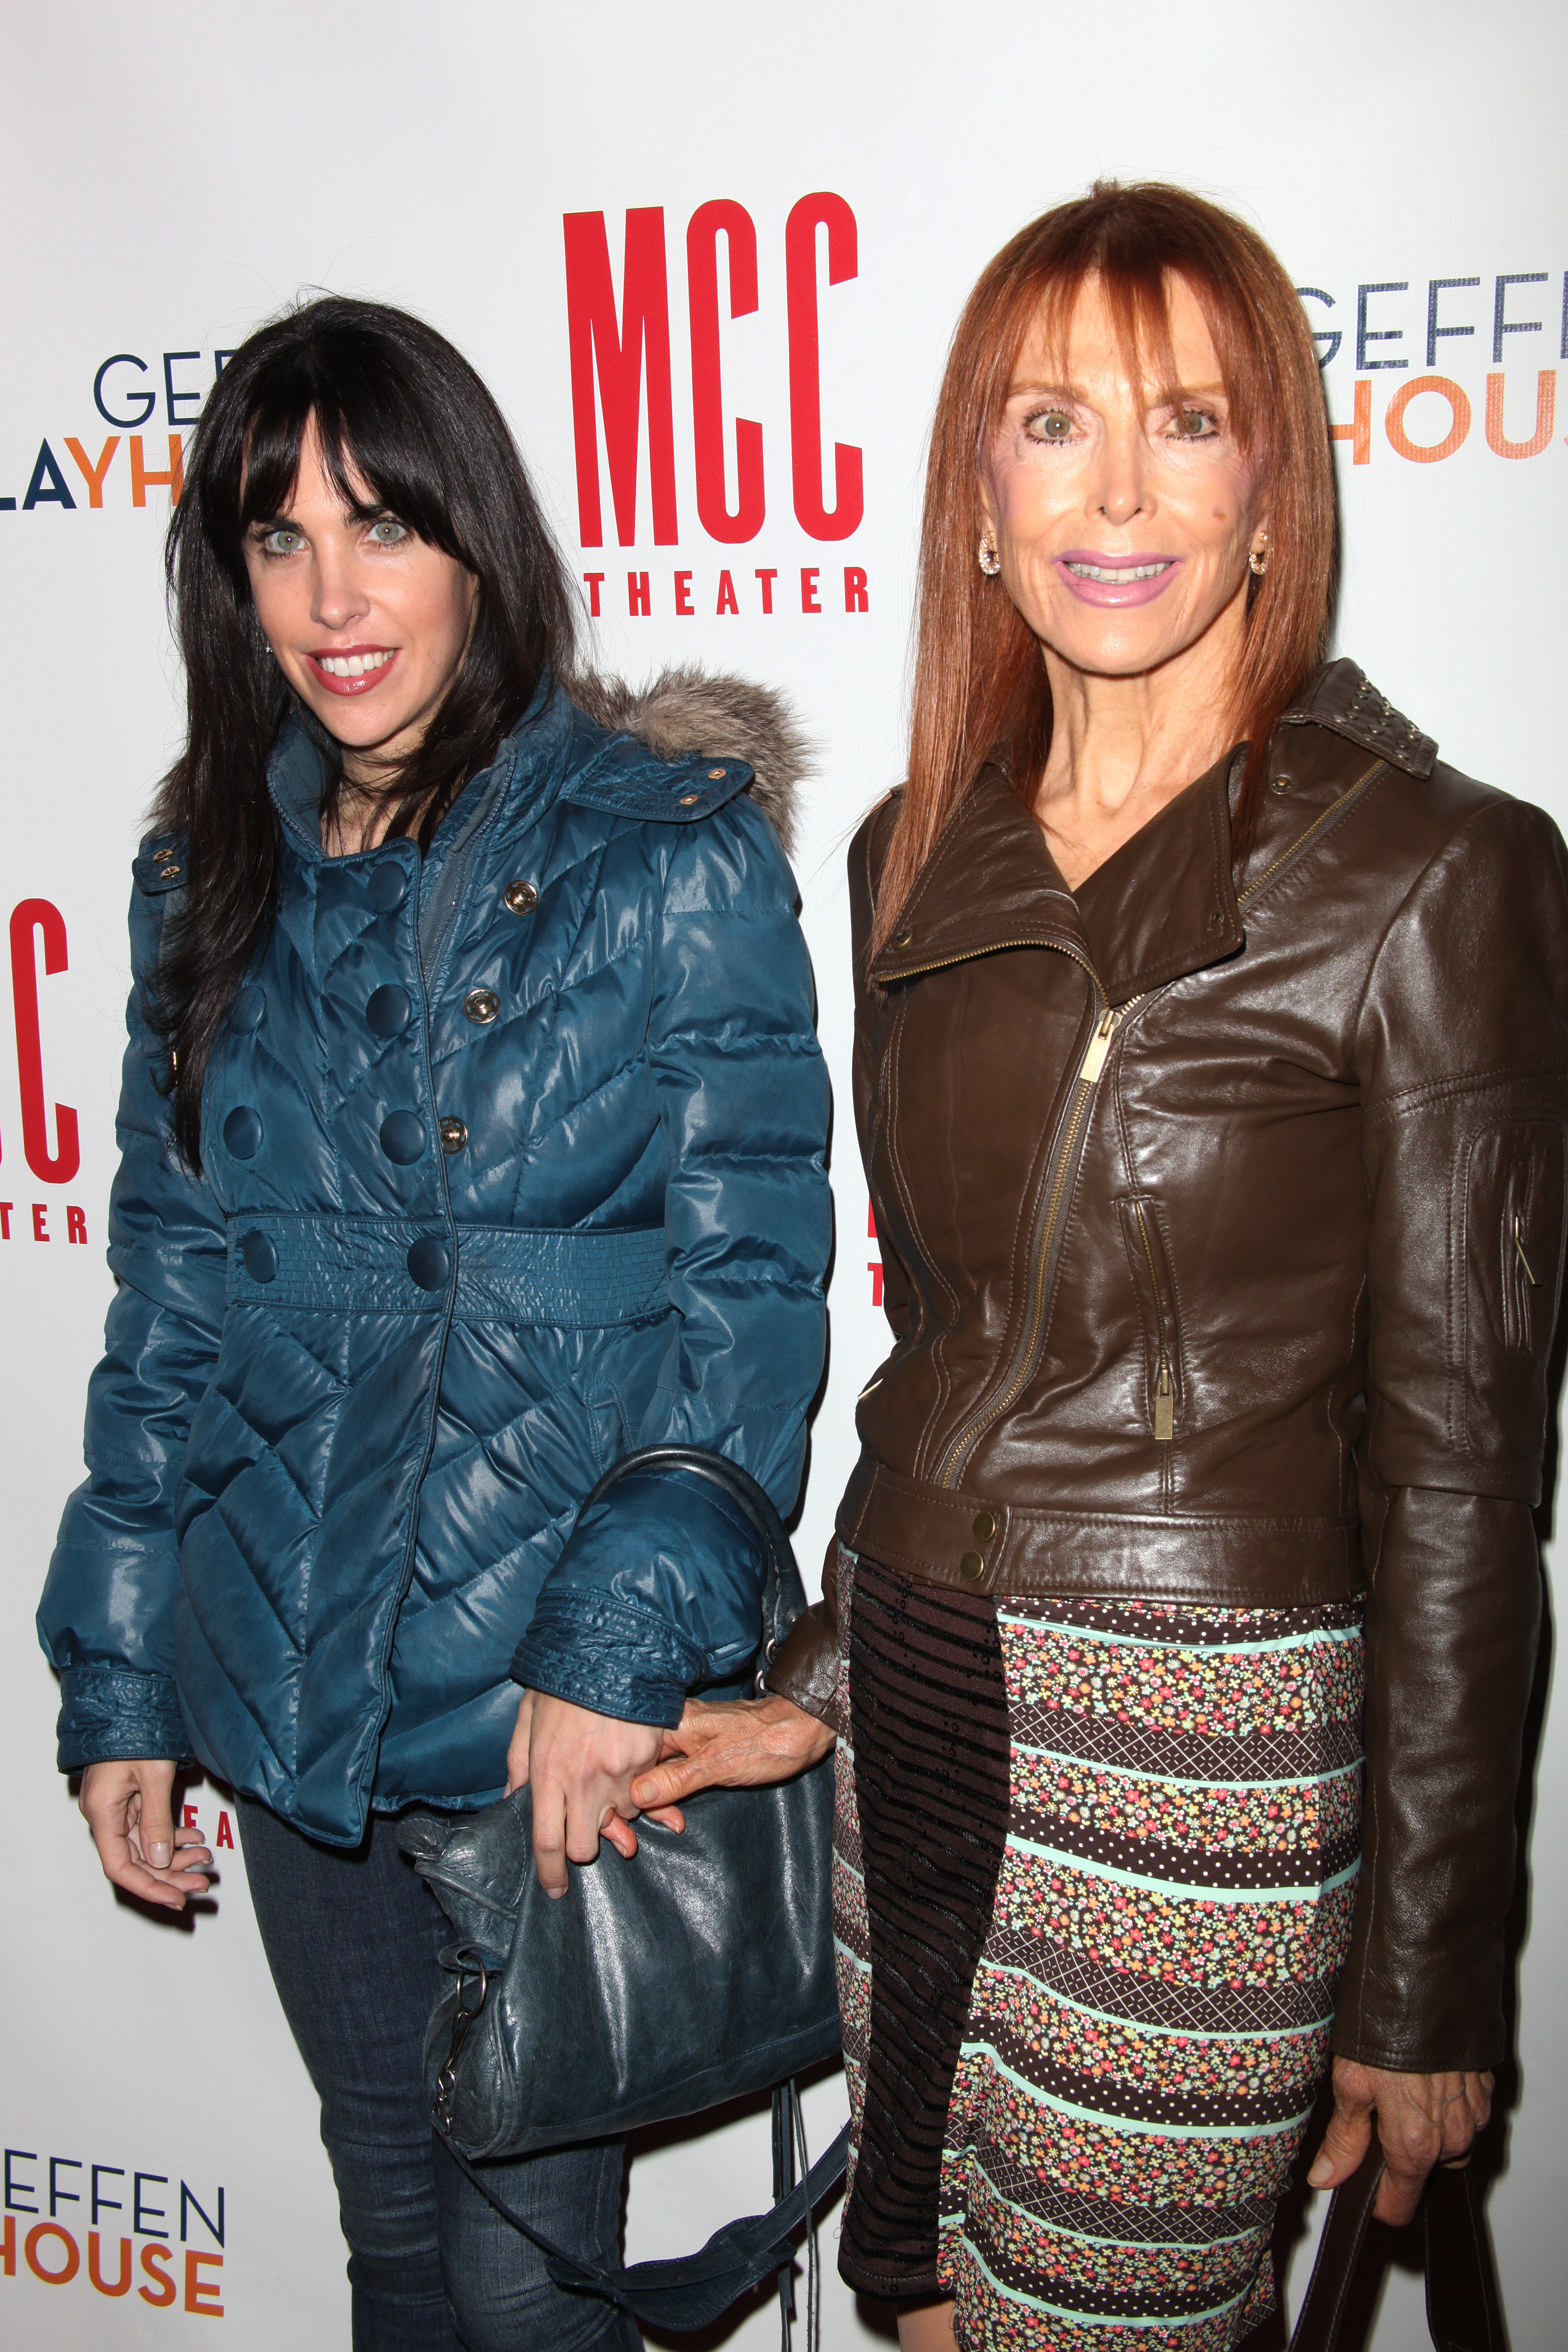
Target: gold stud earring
[(990, 563), (1257, 562)]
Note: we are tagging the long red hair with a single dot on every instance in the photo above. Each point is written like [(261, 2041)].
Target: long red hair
[(980, 686)]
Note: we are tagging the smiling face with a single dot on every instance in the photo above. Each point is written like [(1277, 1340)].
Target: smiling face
[(1123, 531), (368, 622)]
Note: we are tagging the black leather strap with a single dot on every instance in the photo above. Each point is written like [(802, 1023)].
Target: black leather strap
[(1339, 2250), (1463, 2312), (693, 2290)]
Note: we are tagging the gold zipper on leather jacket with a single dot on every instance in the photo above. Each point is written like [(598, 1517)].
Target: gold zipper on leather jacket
[(1065, 1151), (1164, 1392), (1069, 1142), (1304, 839)]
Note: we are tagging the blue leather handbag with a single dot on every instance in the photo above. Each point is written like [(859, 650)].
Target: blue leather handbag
[(699, 1972)]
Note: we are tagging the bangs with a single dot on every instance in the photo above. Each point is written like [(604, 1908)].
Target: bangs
[(1134, 276), (376, 451)]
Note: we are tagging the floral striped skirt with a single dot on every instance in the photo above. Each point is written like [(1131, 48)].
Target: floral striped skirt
[(1094, 1871)]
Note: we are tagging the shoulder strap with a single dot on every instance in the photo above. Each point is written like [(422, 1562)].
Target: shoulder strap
[(691, 2290)]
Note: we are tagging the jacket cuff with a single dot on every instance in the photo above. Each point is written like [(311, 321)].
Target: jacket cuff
[(609, 1655), (1397, 2053), (107, 1713), (806, 1671)]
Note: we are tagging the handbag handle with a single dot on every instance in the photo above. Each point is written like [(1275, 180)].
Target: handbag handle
[(1463, 2312), (755, 1506)]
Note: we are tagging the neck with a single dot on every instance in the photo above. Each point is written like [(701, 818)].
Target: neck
[(1123, 748), (361, 812)]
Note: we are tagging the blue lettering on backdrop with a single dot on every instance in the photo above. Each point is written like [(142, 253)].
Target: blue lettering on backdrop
[(149, 399), (169, 395), (1502, 327), (46, 470), (1330, 335), (1365, 334), (1434, 286)]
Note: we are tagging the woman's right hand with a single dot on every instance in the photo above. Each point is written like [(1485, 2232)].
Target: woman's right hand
[(733, 1743), (129, 1806)]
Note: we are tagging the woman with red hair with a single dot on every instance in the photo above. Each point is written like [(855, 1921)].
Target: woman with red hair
[(1211, 1075)]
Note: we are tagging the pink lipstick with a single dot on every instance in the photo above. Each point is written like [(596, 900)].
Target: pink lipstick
[(1115, 581)]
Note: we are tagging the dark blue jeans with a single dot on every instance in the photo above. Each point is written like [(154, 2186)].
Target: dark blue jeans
[(353, 1939)]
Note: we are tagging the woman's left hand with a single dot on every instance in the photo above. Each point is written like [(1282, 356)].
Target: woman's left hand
[(1422, 2120), (733, 1743), (580, 1767)]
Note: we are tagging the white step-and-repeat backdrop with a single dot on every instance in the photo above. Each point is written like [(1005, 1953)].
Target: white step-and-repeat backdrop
[(169, 181)]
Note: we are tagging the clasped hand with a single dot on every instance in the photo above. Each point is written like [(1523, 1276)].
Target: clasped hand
[(593, 1776)]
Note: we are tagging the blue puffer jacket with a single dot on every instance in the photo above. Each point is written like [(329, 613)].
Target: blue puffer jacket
[(512, 1159)]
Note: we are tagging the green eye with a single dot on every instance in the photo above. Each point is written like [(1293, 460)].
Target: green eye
[(1053, 425), (283, 542), (1196, 424), (388, 533)]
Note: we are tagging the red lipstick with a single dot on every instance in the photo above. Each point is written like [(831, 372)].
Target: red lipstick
[(382, 660)]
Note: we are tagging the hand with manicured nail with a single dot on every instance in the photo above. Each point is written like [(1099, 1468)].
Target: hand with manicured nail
[(580, 1767), (129, 1806)]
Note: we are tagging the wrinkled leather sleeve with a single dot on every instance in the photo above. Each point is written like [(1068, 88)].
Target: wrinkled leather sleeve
[(1462, 1051), (808, 1667), (106, 1616), (866, 852), (652, 1596)]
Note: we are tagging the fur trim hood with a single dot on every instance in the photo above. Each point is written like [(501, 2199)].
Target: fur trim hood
[(685, 713)]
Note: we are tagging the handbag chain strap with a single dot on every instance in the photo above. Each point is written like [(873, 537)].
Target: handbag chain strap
[(755, 1506)]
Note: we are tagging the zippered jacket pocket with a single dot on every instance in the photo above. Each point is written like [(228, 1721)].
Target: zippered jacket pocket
[(1513, 1207), (1149, 1257)]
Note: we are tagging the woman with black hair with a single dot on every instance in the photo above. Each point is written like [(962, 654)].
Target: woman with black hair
[(472, 1129)]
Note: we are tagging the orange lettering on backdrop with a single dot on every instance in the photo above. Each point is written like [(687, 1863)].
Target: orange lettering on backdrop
[(95, 2266), (1545, 416), (36, 2236), (94, 474), (200, 2292), (173, 481), (153, 2254), (1427, 453), (1358, 432)]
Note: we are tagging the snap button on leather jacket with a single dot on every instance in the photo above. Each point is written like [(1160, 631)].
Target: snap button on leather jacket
[(1222, 1223)]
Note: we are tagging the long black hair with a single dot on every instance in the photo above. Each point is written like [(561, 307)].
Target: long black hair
[(396, 410)]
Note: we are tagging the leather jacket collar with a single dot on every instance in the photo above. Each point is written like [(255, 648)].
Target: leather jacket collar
[(1161, 905)]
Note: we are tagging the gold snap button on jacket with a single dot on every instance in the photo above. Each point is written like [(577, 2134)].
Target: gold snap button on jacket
[(687, 800), (902, 939), (522, 897), (972, 1567), (717, 776), (984, 1526), (453, 1135), (482, 1005), (1216, 920), (168, 873), (1281, 785)]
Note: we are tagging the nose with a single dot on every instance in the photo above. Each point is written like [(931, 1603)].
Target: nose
[(1120, 490), (337, 595)]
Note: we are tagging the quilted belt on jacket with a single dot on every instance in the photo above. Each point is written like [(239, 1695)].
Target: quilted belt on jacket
[(389, 1266)]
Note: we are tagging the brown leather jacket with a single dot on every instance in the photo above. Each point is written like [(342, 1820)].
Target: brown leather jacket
[(1222, 1228)]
